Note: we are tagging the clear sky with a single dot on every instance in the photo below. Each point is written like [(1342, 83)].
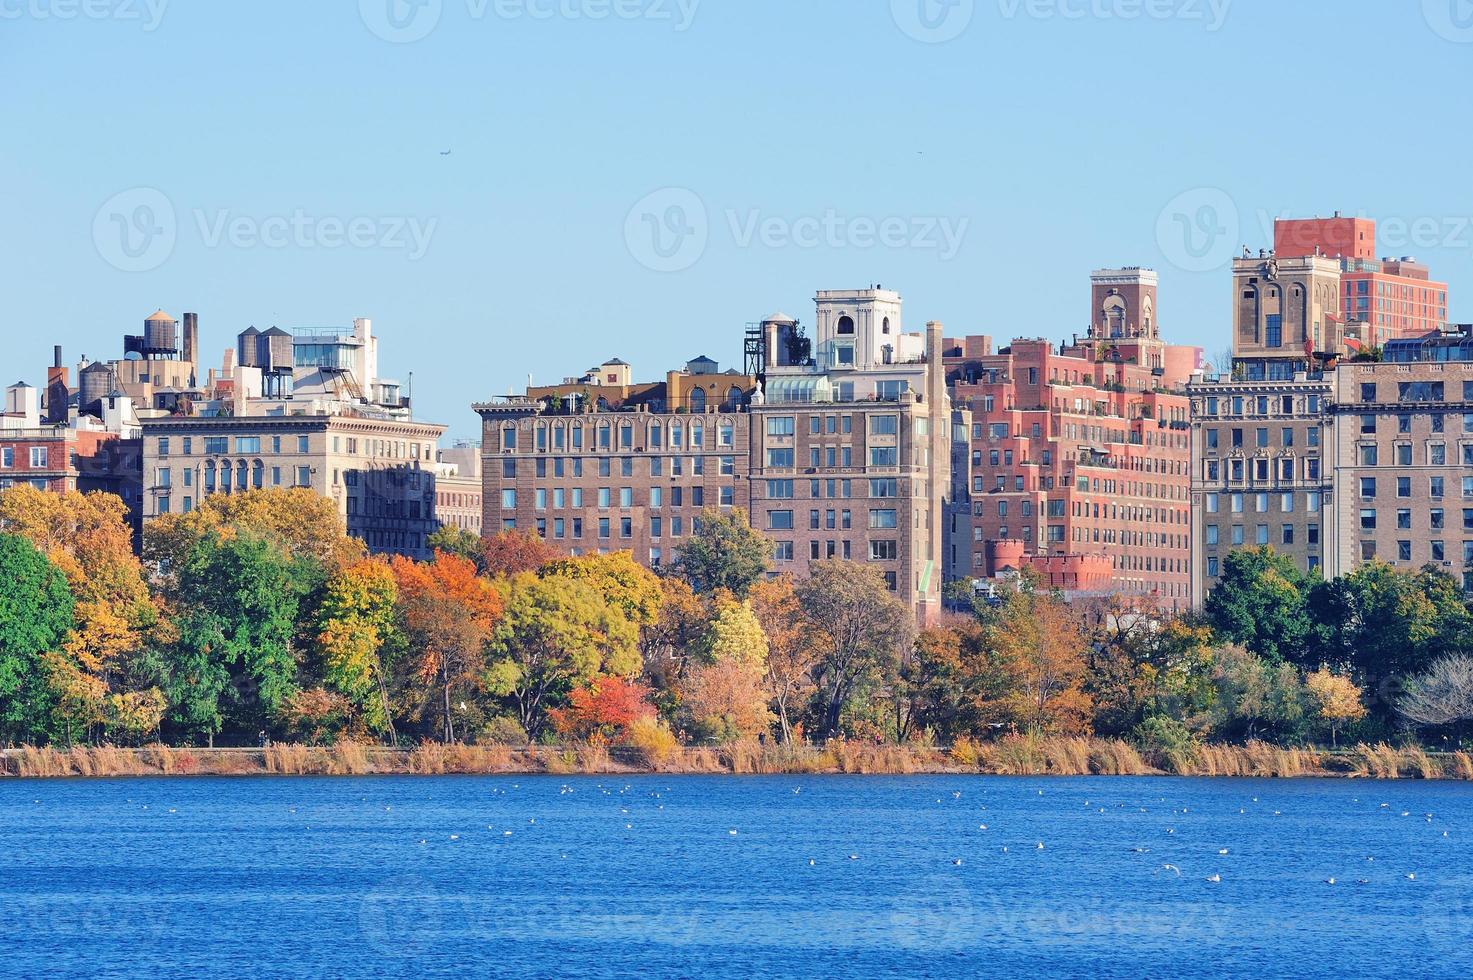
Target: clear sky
[(641, 178)]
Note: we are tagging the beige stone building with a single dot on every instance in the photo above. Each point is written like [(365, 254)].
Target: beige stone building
[(379, 472), (1261, 473), (1402, 450)]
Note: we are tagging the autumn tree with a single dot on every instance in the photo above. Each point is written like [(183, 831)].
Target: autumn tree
[(447, 614), (35, 617), (1337, 699), (1038, 643), (605, 709), (557, 634), (727, 699), (723, 552), (864, 626), (793, 648), (101, 673), (459, 542), (667, 645), (514, 552), (355, 625), (625, 585), (299, 522)]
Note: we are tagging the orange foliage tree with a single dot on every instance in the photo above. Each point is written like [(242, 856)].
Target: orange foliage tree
[(603, 710), (1039, 647), (447, 613), (514, 552)]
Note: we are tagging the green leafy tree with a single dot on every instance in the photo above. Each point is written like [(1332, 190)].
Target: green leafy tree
[(1260, 604), (35, 617), (724, 553), (247, 597)]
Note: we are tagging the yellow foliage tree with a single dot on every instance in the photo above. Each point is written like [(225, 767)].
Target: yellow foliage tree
[(302, 523), (727, 698), (89, 538), (1338, 699)]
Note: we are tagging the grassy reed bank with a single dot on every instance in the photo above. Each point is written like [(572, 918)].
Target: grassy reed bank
[(1015, 756)]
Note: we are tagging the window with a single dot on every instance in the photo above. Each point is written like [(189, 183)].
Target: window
[(508, 500), (779, 489), (883, 488), (1368, 519), (302, 445), (1368, 487), (626, 496), (782, 551), (779, 520), (1287, 536), (780, 457), (882, 456), (882, 518), (883, 551), (216, 445), (39, 455), (1211, 534), (1368, 455), (884, 425)]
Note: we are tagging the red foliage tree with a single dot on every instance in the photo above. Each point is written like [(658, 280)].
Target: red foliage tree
[(603, 710)]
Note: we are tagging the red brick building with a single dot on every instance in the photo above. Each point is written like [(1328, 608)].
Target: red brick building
[(1082, 453), (1394, 297)]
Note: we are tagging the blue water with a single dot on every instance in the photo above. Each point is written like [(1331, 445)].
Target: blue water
[(643, 877)]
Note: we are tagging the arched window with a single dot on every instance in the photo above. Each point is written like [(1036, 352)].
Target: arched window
[(225, 475), (655, 435), (243, 475), (733, 397), (846, 325), (885, 325), (209, 476), (697, 435), (698, 400)]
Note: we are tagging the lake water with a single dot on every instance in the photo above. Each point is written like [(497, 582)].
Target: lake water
[(734, 876)]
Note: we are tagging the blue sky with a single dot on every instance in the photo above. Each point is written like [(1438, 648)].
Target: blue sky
[(640, 178)]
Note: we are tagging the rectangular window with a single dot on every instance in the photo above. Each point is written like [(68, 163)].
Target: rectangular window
[(882, 456), (779, 489), (882, 518), (779, 520), (779, 425), (884, 425), (780, 458), (883, 550)]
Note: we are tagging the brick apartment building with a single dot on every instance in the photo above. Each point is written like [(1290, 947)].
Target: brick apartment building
[(1080, 455), (839, 448)]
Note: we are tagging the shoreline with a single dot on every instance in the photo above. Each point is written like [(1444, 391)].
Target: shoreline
[(1013, 757)]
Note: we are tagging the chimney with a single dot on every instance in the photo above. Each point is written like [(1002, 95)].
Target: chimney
[(58, 391), (191, 337)]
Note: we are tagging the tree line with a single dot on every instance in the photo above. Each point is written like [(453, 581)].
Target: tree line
[(256, 616)]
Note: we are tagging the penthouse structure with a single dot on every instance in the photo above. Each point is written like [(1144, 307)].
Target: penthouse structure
[(1393, 297), (1080, 454)]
